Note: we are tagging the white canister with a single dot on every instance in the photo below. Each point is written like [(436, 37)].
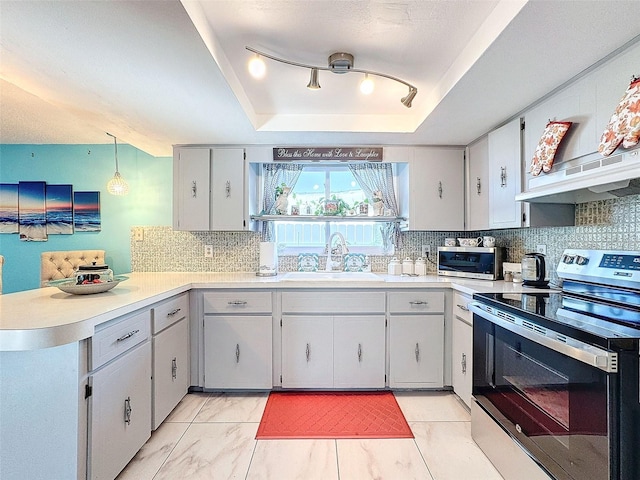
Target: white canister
[(407, 266), (421, 267), (394, 268)]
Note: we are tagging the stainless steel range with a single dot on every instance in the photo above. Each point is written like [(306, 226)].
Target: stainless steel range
[(558, 372)]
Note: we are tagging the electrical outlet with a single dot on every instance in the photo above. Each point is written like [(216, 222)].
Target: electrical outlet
[(426, 251), (541, 249), (138, 234), (208, 251)]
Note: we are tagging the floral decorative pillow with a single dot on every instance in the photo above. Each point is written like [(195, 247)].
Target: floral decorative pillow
[(547, 147), (624, 125)]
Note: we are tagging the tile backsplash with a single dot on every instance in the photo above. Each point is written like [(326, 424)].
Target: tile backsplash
[(606, 224)]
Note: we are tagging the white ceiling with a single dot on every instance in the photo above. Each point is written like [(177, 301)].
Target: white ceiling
[(159, 73)]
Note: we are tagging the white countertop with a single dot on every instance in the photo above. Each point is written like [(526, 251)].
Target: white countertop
[(47, 317)]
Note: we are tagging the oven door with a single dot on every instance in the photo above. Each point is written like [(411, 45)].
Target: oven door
[(551, 398)]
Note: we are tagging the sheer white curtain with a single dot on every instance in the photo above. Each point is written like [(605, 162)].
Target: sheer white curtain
[(379, 177), (276, 174)]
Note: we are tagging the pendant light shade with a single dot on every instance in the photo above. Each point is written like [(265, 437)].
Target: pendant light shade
[(117, 185)]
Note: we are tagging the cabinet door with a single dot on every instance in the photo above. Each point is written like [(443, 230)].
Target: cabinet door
[(505, 173), (416, 351), (358, 351), (237, 351), (437, 189), (191, 189), (170, 369), (307, 351), (227, 189), (477, 187), (120, 412), (461, 359)]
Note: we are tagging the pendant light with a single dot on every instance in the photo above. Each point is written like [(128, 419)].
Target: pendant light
[(117, 185)]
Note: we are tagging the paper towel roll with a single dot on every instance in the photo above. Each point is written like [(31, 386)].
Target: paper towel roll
[(268, 258)]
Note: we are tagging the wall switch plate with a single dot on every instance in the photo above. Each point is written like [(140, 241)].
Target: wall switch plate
[(208, 251), (426, 251), (138, 234), (541, 249)]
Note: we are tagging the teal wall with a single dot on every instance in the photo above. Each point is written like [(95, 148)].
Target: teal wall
[(87, 168)]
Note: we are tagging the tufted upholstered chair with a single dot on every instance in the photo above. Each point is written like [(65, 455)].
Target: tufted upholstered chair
[(1, 262), (57, 265)]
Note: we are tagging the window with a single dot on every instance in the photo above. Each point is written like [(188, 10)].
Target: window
[(315, 186)]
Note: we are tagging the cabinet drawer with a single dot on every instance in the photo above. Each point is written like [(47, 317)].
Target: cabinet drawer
[(111, 341), (169, 312), (237, 302), (416, 302), (333, 302), (460, 309)]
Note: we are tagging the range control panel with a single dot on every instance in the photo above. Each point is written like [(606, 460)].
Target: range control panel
[(609, 267)]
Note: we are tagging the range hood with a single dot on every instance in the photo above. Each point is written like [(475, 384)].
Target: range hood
[(588, 179)]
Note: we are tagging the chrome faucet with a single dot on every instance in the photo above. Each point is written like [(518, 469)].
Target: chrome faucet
[(341, 248)]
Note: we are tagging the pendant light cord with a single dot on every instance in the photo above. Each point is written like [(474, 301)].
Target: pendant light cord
[(115, 143)]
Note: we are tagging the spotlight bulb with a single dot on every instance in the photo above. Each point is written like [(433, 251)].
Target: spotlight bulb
[(257, 68), (367, 85)]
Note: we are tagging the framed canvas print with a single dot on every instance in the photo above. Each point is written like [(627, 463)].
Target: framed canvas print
[(59, 203), (32, 213), (86, 212), (9, 208)]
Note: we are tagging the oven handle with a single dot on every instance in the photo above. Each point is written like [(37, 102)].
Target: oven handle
[(583, 352)]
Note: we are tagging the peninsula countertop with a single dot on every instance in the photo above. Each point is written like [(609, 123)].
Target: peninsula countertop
[(47, 317)]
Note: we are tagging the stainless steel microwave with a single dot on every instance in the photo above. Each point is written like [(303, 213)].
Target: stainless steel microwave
[(471, 262)]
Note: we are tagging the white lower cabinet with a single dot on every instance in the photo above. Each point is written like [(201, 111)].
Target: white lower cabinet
[(359, 351), (461, 351), (307, 351), (237, 351), (416, 339), (120, 412), (238, 348), (333, 339), (170, 369)]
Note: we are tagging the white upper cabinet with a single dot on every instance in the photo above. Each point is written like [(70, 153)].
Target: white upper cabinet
[(434, 180), (505, 176), (477, 206), (209, 189)]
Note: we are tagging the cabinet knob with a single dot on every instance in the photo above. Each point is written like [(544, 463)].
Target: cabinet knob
[(127, 410)]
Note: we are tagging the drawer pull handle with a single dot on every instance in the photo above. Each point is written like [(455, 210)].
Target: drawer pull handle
[(127, 335), (464, 363), (418, 302), (127, 410), (237, 353), (173, 312), (174, 368), (462, 307), (417, 352), (308, 352), (360, 352), (236, 302), (478, 186), (440, 189), (194, 189), (227, 188)]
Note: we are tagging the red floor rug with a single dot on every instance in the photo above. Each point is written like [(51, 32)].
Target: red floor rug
[(332, 415)]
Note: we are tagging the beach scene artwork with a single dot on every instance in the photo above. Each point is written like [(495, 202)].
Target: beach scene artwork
[(86, 211), (59, 201), (32, 213), (9, 208)]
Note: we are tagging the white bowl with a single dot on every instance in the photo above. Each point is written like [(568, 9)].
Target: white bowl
[(69, 286), (468, 242)]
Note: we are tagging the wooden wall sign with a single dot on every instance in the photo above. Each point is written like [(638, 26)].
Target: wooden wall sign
[(317, 154)]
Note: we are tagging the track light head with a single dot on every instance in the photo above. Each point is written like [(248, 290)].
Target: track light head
[(406, 101), (314, 84)]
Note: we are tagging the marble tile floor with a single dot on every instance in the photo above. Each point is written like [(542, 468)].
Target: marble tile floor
[(212, 436)]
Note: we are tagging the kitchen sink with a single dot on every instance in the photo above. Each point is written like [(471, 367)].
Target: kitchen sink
[(322, 276)]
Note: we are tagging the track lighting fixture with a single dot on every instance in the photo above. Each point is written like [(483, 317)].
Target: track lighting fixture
[(339, 62)]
